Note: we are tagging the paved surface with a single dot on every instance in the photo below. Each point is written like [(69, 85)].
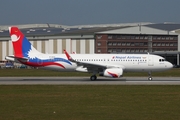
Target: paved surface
[(86, 81)]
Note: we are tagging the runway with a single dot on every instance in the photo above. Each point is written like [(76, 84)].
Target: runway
[(86, 81)]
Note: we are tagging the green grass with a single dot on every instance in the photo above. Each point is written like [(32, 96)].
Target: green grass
[(88, 102), (40, 72)]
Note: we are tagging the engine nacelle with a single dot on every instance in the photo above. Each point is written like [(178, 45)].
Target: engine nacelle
[(112, 72)]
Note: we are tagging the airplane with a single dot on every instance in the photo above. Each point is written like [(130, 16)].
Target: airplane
[(107, 65)]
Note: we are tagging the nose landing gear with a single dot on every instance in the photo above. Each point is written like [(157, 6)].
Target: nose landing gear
[(150, 77)]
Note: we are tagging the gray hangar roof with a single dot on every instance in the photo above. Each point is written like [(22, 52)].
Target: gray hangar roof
[(58, 31), (165, 26), (138, 30)]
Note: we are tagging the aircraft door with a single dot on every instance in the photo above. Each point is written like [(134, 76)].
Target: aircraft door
[(106, 60), (150, 60)]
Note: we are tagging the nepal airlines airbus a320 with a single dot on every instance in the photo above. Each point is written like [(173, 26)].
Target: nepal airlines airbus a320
[(108, 65)]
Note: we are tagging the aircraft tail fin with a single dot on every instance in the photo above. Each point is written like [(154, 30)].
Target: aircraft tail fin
[(22, 46)]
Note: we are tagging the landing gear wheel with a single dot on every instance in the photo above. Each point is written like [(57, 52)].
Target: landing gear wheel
[(93, 77), (149, 78)]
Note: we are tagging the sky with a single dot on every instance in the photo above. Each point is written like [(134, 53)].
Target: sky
[(88, 12)]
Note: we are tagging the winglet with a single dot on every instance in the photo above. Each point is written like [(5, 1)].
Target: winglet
[(67, 55)]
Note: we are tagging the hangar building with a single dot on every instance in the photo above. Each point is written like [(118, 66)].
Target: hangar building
[(162, 39)]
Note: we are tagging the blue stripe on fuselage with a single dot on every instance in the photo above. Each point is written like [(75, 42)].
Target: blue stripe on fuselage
[(49, 60)]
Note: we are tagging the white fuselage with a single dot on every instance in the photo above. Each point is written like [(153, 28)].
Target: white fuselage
[(128, 62)]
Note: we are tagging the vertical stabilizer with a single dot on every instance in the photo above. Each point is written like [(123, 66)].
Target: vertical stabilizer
[(22, 47)]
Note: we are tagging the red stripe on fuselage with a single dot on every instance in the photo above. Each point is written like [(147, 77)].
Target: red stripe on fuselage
[(42, 64)]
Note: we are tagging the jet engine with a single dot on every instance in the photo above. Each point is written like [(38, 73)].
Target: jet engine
[(112, 72)]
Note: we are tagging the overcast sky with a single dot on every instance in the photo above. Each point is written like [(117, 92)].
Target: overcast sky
[(85, 12)]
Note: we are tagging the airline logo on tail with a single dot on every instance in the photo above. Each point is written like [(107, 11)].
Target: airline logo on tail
[(28, 55), (17, 40)]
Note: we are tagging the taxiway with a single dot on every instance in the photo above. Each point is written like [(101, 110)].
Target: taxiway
[(86, 81)]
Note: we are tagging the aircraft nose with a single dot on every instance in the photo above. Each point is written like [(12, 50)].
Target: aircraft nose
[(169, 65)]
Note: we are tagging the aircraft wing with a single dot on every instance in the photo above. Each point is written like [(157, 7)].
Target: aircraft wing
[(89, 67)]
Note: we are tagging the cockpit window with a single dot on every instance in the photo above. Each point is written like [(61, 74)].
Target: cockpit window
[(161, 60)]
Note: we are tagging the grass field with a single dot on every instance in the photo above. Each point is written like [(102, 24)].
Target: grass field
[(88, 102), (40, 72), (98, 102)]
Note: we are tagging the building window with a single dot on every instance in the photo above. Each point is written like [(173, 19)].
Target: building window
[(141, 44), (132, 44), (136, 44), (137, 50), (99, 50), (145, 43), (171, 38), (167, 38), (114, 44), (99, 43), (141, 50), (114, 50), (123, 37), (142, 37), (159, 44), (154, 37), (128, 50), (109, 50), (118, 50), (109, 43), (123, 44), (110, 37), (163, 38), (171, 44), (123, 50), (159, 38), (118, 36), (128, 44), (132, 37), (146, 37), (132, 50), (175, 44), (128, 37), (99, 36), (119, 44), (137, 37)]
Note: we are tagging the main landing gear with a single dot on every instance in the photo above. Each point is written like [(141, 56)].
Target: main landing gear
[(150, 77), (93, 77)]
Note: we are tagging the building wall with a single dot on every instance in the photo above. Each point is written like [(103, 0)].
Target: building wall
[(83, 46), (128, 43), (5, 49)]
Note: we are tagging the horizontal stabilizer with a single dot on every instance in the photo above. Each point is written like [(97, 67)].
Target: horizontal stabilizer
[(13, 58)]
